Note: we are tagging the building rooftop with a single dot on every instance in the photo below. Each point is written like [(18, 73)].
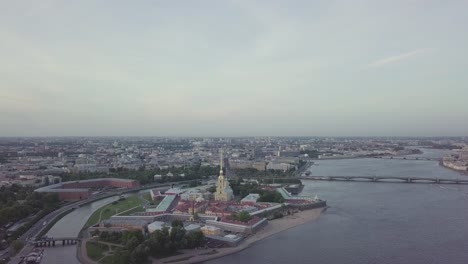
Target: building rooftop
[(252, 197), (192, 227), (211, 228), (164, 204), (156, 225), (287, 196), (59, 187), (175, 191), (136, 222)]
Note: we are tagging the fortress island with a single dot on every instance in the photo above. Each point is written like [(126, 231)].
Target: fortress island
[(218, 222)]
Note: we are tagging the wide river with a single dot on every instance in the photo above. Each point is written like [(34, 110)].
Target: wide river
[(379, 223)]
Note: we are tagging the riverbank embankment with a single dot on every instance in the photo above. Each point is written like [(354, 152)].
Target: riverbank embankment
[(273, 227), (441, 163)]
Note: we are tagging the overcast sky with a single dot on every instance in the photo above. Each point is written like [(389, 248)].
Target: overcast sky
[(233, 68)]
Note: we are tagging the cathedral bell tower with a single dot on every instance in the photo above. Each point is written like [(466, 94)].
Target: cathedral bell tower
[(223, 190)]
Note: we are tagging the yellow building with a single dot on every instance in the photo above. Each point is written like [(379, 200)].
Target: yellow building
[(211, 230)]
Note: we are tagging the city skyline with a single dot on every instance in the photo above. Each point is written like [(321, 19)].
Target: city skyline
[(233, 68)]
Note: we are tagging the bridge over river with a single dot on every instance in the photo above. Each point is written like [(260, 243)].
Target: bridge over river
[(387, 179), (405, 158), (48, 242)]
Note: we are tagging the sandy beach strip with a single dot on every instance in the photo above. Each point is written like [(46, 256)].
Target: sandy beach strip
[(465, 173), (273, 227)]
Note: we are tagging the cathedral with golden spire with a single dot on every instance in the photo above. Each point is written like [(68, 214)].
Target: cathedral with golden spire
[(223, 189)]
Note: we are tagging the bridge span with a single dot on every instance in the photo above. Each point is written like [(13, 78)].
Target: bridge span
[(50, 242), (386, 179), (405, 158)]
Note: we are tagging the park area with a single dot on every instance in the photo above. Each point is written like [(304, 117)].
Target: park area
[(129, 205), (113, 247), (96, 250), (101, 252)]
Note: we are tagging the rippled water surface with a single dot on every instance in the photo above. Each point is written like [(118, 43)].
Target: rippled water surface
[(375, 222)]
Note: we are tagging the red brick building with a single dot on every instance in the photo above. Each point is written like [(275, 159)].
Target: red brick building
[(80, 190)]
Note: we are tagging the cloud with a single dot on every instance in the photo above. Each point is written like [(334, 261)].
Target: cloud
[(396, 58)]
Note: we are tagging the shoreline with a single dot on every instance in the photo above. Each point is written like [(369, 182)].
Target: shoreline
[(464, 173), (274, 227)]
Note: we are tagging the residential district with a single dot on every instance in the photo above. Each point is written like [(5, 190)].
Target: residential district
[(193, 195)]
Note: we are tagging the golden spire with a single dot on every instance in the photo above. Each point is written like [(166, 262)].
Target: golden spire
[(221, 163)]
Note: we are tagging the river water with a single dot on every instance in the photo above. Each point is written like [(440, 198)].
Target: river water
[(394, 223), (70, 226)]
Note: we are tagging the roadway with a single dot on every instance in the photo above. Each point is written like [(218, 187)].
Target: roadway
[(303, 168), (30, 235)]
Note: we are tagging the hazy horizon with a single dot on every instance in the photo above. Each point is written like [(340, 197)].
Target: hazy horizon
[(245, 136), (233, 68)]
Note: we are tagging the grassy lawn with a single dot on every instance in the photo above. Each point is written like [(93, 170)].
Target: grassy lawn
[(147, 196), (209, 253), (179, 259), (134, 210), (113, 248), (155, 203), (112, 260), (95, 250), (107, 260), (111, 209)]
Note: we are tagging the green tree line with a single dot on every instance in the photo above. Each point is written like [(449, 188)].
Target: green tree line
[(252, 172), (145, 176), (18, 202), (159, 243), (243, 190)]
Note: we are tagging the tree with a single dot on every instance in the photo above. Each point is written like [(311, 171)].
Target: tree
[(17, 245), (159, 241), (104, 235), (178, 239), (193, 184), (51, 198), (212, 189), (132, 243), (195, 239), (139, 254), (271, 197), (177, 223), (121, 256), (244, 216), (132, 235)]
